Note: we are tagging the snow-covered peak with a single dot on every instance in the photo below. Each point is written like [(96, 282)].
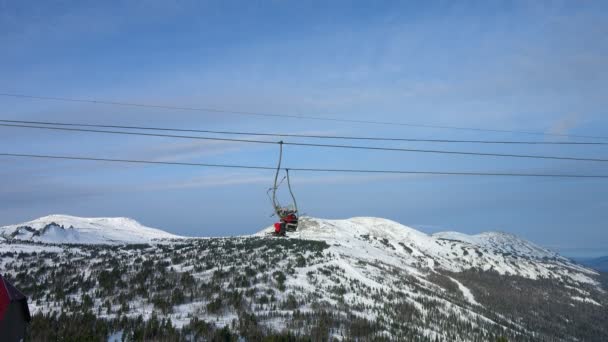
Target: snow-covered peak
[(83, 221), (385, 241), (315, 228), (72, 229), (506, 243), (379, 228)]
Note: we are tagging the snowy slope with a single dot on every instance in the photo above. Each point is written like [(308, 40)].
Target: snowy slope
[(376, 239), (361, 238), (79, 230), (411, 285), (505, 242)]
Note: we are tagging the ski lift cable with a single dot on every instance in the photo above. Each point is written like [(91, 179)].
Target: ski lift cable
[(308, 136), (444, 173), (372, 148), (287, 116)]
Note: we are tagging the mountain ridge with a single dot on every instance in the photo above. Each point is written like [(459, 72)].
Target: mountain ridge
[(401, 245), (356, 279), (362, 238), (69, 229)]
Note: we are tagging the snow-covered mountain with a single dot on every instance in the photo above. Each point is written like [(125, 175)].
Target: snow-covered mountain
[(373, 239), (78, 230), (356, 279), (366, 238)]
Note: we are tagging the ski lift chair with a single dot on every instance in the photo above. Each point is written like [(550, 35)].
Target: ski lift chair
[(289, 214)]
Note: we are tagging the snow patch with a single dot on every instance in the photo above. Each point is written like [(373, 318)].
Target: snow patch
[(468, 295), (586, 300)]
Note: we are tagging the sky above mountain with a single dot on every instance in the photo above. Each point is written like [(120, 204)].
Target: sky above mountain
[(525, 66)]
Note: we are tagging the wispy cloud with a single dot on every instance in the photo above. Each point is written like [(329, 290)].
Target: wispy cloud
[(185, 150), (213, 180), (231, 179), (565, 124)]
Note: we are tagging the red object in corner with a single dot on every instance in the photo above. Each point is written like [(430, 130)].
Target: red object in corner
[(277, 227), (5, 300)]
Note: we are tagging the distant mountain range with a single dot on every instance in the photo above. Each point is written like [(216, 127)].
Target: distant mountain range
[(600, 264)]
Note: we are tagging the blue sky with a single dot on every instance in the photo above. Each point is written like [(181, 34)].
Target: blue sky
[(531, 65)]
